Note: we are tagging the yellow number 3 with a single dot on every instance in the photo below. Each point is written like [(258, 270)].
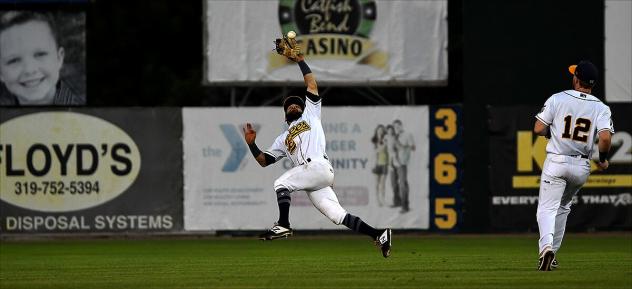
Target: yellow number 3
[(448, 130)]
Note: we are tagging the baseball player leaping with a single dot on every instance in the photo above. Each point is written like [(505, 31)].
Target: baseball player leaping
[(571, 120), (304, 144)]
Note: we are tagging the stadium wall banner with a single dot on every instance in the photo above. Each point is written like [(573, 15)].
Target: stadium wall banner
[(446, 162), (86, 170), (618, 75), (226, 189), (517, 157), (369, 42)]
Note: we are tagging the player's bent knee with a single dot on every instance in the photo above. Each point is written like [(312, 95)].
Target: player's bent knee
[(333, 211), (337, 217), (278, 184)]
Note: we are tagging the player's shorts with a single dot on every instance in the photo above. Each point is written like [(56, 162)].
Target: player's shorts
[(315, 178), (562, 177), (311, 176)]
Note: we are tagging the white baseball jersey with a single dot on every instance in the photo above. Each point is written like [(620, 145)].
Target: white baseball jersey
[(304, 144), (304, 139), (574, 119)]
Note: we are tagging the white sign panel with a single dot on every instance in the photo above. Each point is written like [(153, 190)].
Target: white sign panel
[(618, 51), (226, 189), (376, 42)]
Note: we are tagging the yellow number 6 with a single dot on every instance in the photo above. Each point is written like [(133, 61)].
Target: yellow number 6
[(445, 168)]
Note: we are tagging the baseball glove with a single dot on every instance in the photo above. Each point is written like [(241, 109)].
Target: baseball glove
[(288, 48)]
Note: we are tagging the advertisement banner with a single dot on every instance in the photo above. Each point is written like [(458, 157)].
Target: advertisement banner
[(618, 40), (369, 42), (226, 189), (90, 170), (517, 157)]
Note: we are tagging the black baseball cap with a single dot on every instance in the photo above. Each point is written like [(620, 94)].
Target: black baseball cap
[(585, 71), (293, 99)]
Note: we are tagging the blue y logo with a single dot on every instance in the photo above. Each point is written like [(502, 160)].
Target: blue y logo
[(237, 145)]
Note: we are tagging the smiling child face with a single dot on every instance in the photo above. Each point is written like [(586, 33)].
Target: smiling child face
[(30, 61)]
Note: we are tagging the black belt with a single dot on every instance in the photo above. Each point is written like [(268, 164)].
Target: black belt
[(582, 156), (310, 159)]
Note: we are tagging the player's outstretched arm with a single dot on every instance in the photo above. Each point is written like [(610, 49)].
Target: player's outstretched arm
[(308, 75), (605, 139), (250, 135), (288, 47)]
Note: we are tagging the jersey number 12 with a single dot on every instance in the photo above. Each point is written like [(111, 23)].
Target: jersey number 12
[(579, 132)]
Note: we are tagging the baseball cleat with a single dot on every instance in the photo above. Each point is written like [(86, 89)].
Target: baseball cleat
[(546, 259), (276, 232), (384, 243), (554, 264)]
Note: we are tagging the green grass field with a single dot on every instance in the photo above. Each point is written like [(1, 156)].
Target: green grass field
[(435, 261)]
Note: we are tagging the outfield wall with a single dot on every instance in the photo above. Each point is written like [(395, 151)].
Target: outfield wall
[(110, 170), (173, 170)]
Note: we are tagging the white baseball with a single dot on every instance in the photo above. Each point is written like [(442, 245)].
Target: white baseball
[(291, 34)]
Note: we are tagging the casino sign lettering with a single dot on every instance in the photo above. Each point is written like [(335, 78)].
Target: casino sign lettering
[(331, 30)]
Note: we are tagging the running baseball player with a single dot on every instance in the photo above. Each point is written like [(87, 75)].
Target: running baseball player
[(304, 144), (571, 119)]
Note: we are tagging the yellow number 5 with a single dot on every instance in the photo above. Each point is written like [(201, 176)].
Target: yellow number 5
[(445, 218)]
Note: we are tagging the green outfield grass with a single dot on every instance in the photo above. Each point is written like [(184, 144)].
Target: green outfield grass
[(450, 261)]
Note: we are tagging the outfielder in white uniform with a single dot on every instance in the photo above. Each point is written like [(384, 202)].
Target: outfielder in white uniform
[(571, 119), (304, 144)]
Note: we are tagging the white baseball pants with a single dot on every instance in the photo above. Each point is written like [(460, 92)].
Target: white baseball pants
[(315, 178), (562, 177)]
